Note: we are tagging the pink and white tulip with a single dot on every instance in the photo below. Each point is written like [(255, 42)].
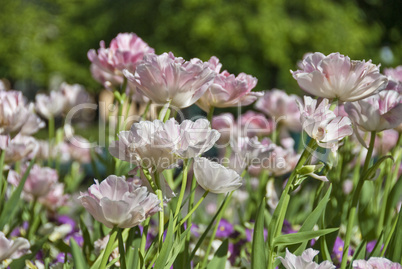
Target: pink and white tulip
[(118, 203), (215, 178), (125, 52), (281, 107), (321, 124), (159, 145), (305, 261), (40, 181), (19, 148), (16, 115), (50, 106), (228, 90), (13, 249), (166, 78), (378, 112), (337, 77), (376, 263)]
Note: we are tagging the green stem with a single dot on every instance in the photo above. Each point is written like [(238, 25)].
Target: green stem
[(210, 113), (51, 137), (355, 201), (144, 115), (144, 236), (109, 248), (2, 157), (161, 214), (31, 220), (183, 187), (189, 217), (120, 114), (149, 178), (121, 249), (193, 209), (218, 220)]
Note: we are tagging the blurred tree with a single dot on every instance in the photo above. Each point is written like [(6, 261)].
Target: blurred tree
[(264, 38)]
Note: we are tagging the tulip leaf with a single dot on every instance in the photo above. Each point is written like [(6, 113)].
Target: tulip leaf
[(394, 250), (132, 245), (291, 239), (220, 257), (87, 247), (360, 251), (312, 219), (12, 203), (167, 245), (258, 258), (178, 247), (276, 218), (79, 260), (203, 236), (371, 172)]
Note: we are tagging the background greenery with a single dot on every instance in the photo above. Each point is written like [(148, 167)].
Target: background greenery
[(44, 39)]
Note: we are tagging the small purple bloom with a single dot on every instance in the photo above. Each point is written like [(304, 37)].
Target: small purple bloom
[(337, 251), (225, 229)]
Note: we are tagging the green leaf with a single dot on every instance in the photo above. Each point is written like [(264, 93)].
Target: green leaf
[(276, 217), (178, 245), (394, 250), (371, 172), (291, 239), (132, 246), (258, 258), (87, 247), (220, 257), (167, 245), (12, 203), (79, 260), (360, 251), (313, 218), (204, 234)]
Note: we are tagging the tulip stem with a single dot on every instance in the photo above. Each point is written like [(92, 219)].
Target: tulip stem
[(194, 208), (121, 250), (149, 178), (355, 201), (277, 223), (31, 220), (183, 187), (144, 115), (144, 236), (218, 220), (109, 248), (161, 219), (51, 136), (2, 157), (210, 113)]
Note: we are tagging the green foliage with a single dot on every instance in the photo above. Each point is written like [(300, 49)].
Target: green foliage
[(44, 38)]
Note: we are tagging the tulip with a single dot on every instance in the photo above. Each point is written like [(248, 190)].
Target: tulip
[(305, 261), (321, 124), (214, 177), (376, 263), (378, 112), (55, 198), (255, 124), (13, 249), (281, 107), (394, 78), (50, 106), (118, 203), (337, 77), (159, 145), (228, 90), (74, 95), (226, 126), (125, 52), (167, 79), (40, 181), (16, 116), (19, 148)]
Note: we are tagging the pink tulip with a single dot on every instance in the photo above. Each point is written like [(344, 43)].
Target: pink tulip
[(125, 51), (376, 263), (40, 181), (228, 90), (55, 198), (158, 146), (214, 177), (321, 124), (13, 249), (281, 107), (395, 78), (337, 77), (255, 124), (16, 116), (50, 106), (226, 125), (378, 112), (118, 203), (305, 261), (165, 78), (19, 148)]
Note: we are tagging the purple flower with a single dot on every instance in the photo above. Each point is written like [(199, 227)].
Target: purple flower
[(337, 251), (225, 229)]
